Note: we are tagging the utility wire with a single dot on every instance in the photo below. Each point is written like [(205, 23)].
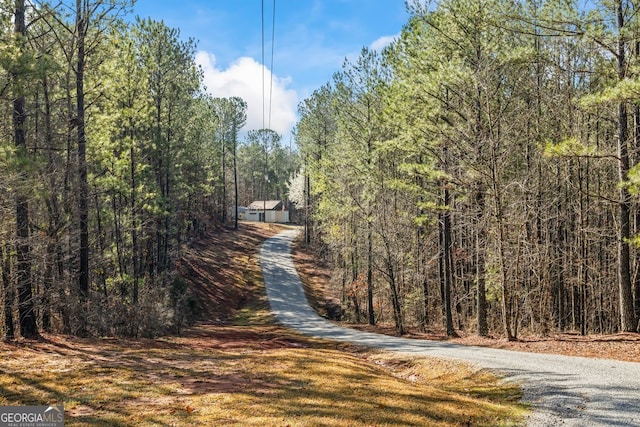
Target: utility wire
[(263, 95), (273, 34)]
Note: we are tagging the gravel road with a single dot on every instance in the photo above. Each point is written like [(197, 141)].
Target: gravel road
[(564, 390)]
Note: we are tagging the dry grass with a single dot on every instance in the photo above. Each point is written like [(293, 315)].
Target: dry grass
[(248, 372), (247, 375)]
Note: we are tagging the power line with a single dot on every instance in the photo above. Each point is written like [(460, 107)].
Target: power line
[(263, 97), (273, 33), (273, 36)]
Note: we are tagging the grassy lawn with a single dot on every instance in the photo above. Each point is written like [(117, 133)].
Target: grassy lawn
[(247, 372)]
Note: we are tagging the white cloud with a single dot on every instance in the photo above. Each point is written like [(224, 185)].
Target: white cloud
[(383, 42), (243, 78)]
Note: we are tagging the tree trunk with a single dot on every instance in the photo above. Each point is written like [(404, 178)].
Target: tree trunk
[(235, 175), (507, 299), (9, 296), (421, 276), (102, 273), (28, 328), (83, 193), (583, 267), (636, 281), (446, 270), (481, 241), (224, 181), (395, 298), (354, 278), (136, 261), (372, 317), (627, 315), (53, 213), (307, 202)]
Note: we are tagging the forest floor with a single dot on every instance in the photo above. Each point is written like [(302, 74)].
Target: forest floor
[(622, 346), (237, 367)]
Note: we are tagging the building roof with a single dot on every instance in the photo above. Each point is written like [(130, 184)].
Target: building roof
[(269, 205)]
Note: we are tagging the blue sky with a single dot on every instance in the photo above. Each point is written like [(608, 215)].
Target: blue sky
[(312, 39)]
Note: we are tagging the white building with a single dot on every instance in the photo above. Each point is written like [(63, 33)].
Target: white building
[(275, 211)]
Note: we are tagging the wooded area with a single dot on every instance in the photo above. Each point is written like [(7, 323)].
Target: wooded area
[(112, 157), (481, 173)]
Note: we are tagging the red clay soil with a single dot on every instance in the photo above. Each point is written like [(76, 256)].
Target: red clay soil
[(623, 346)]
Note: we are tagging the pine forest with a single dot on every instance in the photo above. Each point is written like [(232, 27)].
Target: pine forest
[(113, 156), (480, 174)]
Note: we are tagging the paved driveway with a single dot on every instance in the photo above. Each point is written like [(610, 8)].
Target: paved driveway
[(567, 391)]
